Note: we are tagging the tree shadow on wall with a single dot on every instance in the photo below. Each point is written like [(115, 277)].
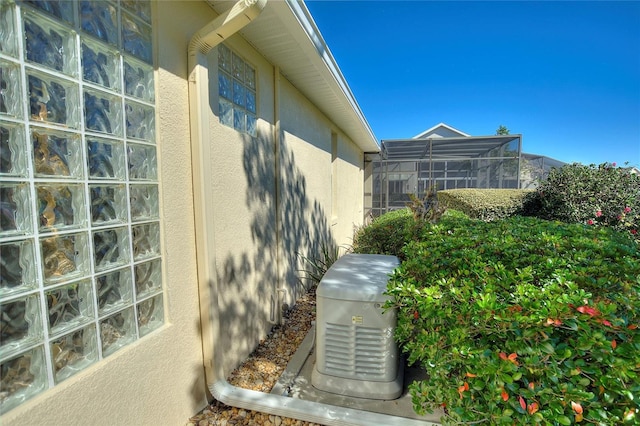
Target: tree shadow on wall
[(304, 226), (250, 278)]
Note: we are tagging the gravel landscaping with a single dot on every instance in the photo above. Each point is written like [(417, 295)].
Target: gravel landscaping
[(261, 370)]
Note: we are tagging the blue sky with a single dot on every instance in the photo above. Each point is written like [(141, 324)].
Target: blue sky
[(566, 75)]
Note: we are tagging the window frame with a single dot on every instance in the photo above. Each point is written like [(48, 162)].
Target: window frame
[(231, 88)]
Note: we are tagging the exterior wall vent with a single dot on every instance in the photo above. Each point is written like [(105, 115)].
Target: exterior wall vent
[(355, 351)]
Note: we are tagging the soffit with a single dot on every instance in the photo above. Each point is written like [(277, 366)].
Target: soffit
[(285, 34)]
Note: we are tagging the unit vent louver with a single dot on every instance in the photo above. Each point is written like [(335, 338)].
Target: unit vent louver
[(355, 351)]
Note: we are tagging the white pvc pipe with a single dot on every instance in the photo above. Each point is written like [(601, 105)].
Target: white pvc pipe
[(309, 411), (225, 25)]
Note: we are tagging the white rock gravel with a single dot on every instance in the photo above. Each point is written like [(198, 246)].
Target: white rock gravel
[(262, 369)]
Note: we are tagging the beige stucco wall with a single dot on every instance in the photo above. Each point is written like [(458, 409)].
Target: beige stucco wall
[(159, 379), (307, 137), (253, 261), (350, 197), (243, 190)]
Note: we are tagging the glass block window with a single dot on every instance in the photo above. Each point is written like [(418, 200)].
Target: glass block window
[(237, 91), (80, 264)]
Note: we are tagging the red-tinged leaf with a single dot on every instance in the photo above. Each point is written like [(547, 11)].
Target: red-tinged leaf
[(504, 395), (585, 309), (607, 323), (632, 326), (513, 357), (614, 344), (416, 315), (463, 388), (532, 408), (522, 403), (532, 385), (471, 374), (576, 407), (503, 356), (554, 322), (629, 415)]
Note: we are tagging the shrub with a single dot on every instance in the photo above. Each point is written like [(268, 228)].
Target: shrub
[(387, 234), (522, 321), (485, 204), (602, 195)]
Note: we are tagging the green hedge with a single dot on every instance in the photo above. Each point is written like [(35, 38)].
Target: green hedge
[(522, 321), (484, 204), (387, 234)]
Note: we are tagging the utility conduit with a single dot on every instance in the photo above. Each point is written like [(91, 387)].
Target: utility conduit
[(201, 43)]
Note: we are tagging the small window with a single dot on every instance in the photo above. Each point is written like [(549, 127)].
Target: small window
[(237, 92)]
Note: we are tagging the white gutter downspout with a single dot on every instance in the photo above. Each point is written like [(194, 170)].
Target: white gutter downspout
[(212, 34), (224, 26)]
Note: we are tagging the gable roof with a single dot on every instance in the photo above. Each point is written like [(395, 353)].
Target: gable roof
[(432, 132), (286, 35)]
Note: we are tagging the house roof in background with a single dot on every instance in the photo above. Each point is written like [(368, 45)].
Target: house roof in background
[(430, 130), (286, 35)]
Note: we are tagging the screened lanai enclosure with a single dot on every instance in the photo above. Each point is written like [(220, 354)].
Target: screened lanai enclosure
[(412, 166), (534, 168)]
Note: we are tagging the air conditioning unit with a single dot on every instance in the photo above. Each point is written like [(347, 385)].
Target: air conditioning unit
[(356, 354)]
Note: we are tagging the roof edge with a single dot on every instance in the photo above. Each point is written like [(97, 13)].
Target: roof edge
[(470, 138)]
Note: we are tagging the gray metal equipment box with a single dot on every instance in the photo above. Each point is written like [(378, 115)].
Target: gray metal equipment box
[(356, 354)]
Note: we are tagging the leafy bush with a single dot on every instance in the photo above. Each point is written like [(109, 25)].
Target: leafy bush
[(522, 321), (485, 204), (602, 195), (387, 234)]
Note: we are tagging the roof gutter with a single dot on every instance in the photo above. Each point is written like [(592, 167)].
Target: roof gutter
[(201, 43)]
